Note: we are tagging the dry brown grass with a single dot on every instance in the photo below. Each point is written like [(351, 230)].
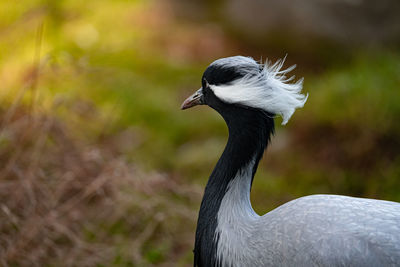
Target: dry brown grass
[(67, 202)]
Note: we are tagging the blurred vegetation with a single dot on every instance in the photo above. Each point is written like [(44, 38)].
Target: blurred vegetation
[(98, 166)]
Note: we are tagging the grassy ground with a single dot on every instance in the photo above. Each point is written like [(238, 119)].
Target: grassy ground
[(98, 166)]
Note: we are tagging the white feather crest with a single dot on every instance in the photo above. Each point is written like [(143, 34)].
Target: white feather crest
[(267, 89)]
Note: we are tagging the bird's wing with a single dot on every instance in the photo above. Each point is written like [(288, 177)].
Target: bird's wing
[(330, 229)]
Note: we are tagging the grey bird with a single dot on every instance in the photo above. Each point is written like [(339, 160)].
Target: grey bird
[(316, 230)]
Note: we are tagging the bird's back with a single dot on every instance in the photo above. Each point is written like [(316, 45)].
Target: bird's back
[(329, 230)]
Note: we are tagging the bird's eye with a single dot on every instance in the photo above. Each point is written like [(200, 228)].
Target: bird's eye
[(205, 86)]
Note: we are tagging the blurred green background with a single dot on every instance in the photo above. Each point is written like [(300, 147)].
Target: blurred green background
[(98, 165)]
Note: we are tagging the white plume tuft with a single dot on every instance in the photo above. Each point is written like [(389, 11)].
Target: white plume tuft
[(268, 89)]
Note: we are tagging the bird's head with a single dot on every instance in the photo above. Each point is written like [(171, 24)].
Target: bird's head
[(241, 82)]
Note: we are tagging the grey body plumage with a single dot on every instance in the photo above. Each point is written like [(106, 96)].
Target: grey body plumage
[(316, 230)]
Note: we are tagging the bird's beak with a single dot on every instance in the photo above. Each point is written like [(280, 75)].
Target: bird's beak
[(193, 100)]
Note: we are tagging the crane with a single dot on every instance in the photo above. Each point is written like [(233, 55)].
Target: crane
[(315, 230)]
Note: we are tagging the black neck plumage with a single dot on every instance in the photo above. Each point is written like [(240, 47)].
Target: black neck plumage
[(249, 134)]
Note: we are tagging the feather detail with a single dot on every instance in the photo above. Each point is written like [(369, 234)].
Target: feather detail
[(264, 86)]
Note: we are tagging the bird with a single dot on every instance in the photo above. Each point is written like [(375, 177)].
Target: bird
[(314, 230)]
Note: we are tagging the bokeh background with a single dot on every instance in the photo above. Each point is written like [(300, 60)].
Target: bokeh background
[(99, 167)]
